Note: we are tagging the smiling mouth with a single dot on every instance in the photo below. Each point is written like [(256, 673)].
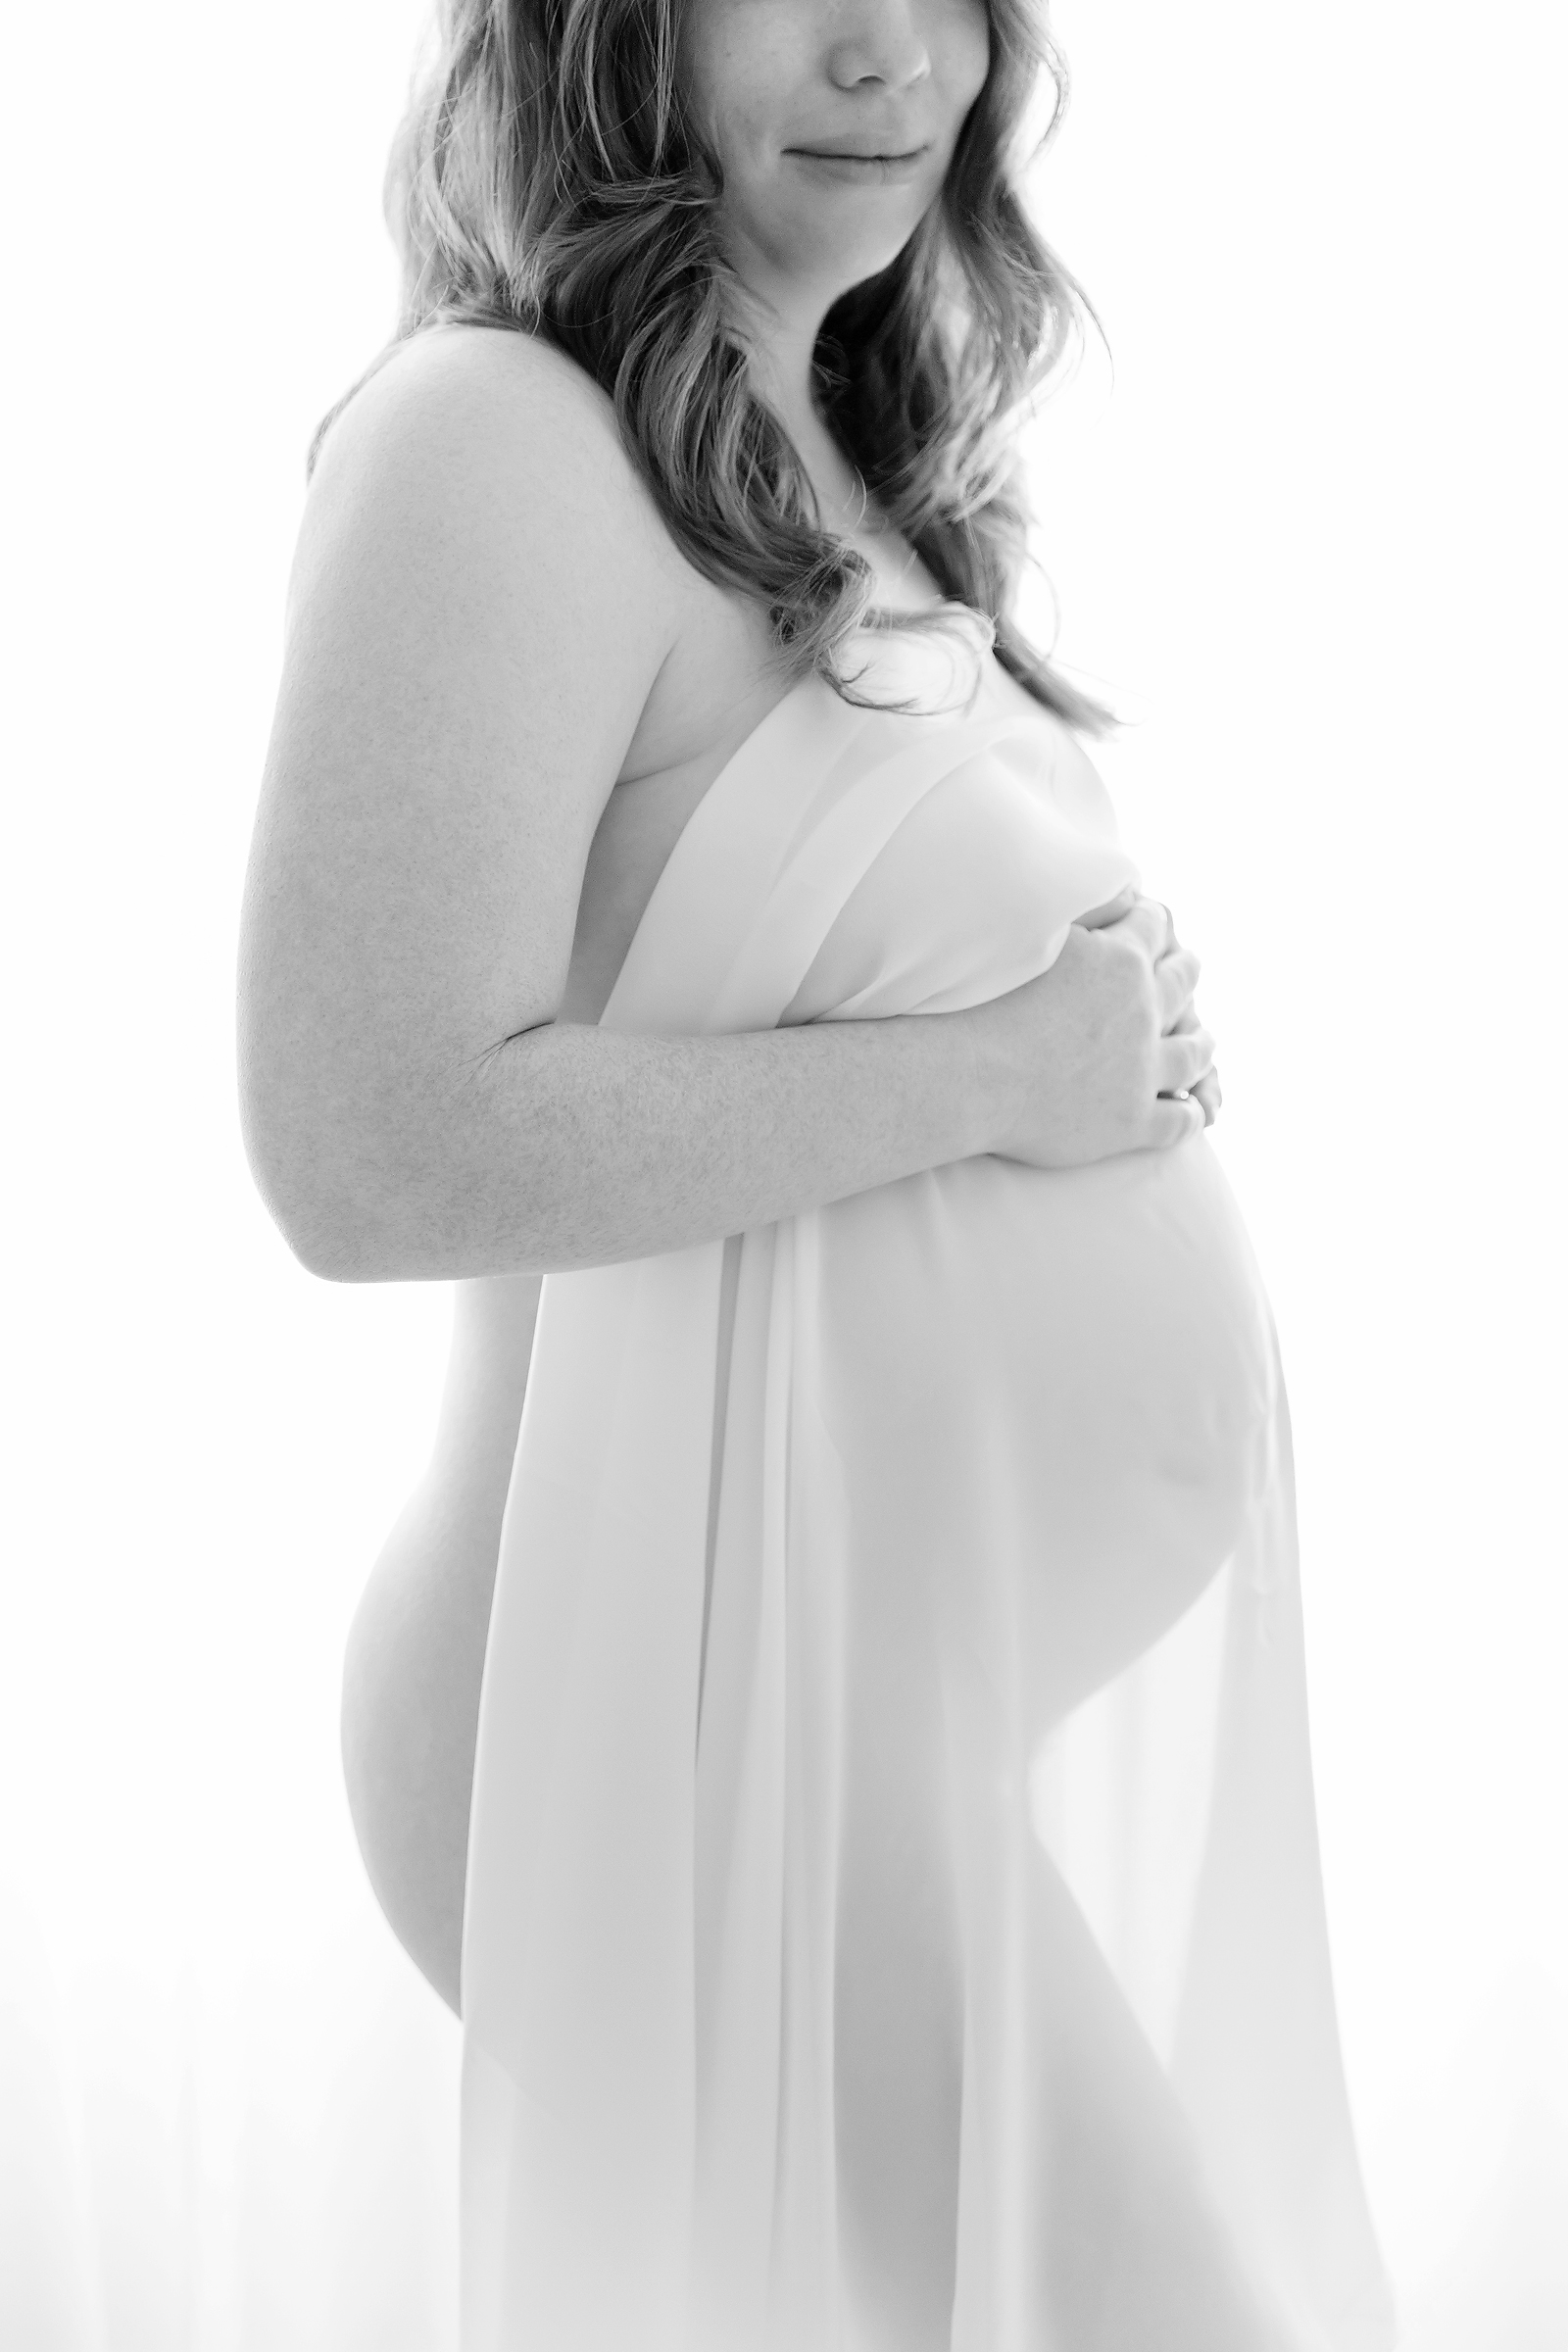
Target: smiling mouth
[(859, 154)]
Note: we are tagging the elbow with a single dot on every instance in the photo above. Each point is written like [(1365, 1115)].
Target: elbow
[(365, 1190), (364, 1216), (333, 1257), (349, 1192), (344, 1220), (323, 1233), (338, 1240)]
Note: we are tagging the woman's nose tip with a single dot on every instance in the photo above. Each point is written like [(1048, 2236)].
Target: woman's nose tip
[(884, 46), (898, 72)]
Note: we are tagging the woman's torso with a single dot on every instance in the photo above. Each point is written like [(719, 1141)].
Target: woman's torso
[(1165, 1306), (416, 1650), (721, 679), (981, 1436)]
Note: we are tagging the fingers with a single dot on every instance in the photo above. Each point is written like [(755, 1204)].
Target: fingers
[(1207, 1093), (1175, 1120), (1182, 1059), (1206, 1089), (1176, 975), (1149, 924)]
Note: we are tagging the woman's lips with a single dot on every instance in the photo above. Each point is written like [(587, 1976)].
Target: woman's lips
[(857, 170)]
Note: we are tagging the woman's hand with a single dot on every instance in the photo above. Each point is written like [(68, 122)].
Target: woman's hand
[(1105, 1052), (1207, 1091)]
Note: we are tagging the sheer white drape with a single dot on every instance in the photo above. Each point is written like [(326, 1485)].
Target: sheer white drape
[(992, 1472), (1319, 529)]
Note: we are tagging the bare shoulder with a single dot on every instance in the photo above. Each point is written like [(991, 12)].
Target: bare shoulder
[(457, 405), (478, 471)]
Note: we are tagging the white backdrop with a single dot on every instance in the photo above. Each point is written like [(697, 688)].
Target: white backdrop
[(1317, 535)]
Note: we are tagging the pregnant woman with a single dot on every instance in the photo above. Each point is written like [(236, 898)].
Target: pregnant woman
[(877, 1872)]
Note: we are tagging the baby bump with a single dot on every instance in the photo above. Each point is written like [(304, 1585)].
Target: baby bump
[(1069, 1373)]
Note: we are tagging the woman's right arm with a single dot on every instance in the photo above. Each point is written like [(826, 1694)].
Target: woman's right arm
[(482, 599)]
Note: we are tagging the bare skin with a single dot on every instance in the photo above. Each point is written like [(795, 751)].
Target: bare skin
[(416, 1649), (505, 691)]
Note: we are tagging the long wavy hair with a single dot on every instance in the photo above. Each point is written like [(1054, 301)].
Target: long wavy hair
[(547, 177)]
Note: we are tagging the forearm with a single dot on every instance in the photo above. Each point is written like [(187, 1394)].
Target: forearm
[(573, 1146)]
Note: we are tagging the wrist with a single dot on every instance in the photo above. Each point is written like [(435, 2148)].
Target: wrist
[(988, 1084)]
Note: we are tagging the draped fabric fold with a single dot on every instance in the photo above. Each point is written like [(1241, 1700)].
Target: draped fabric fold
[(894, 1917)]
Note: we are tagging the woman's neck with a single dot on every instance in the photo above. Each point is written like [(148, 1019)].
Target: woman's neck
[(783, 347), (782, 342)]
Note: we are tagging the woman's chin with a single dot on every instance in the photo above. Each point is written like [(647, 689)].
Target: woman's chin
[(835, 251), (829, 233)]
